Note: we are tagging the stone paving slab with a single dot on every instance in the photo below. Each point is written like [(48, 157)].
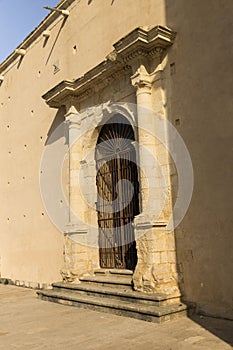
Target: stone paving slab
[(29, 323)]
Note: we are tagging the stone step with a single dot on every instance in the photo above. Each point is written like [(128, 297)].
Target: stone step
[(136, 310), (115, 272), (123, 282), (116, 293)]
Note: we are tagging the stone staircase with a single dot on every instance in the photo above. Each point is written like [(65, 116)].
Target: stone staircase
[(112, 291)]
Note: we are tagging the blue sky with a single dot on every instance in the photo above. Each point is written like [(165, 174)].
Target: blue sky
[(17, 19)]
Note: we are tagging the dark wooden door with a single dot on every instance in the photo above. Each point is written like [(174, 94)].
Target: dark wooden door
[(118, 187)]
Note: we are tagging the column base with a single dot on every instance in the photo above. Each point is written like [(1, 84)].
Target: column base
[(156, 268)]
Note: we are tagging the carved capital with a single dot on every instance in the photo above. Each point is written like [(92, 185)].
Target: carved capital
[(72, 116), (71, 106), (141, 80)]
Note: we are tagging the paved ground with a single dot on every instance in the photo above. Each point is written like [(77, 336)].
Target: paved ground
[(29, 323)]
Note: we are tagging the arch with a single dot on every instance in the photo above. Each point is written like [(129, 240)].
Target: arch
[(104, 113), (118, 192)]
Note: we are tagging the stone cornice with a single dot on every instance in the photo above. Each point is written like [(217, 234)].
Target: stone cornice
[(63, 4), (143, 42), (81, 88)]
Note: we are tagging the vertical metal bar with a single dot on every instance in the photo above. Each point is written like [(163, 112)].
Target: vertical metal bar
[(116, 228)]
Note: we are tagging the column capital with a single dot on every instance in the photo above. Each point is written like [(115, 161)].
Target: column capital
[(72, 116), (71, 108), (141, 80)]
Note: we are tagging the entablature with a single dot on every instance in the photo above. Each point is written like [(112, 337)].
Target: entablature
[(143, 43)]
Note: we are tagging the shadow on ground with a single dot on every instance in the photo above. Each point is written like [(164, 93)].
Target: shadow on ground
[(222, 329)]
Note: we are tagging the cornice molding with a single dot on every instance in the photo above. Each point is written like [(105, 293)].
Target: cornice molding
[(84, 86), (142, 42), (148, 221), (146, 225)]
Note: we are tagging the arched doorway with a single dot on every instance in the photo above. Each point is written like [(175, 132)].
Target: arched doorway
[(118, 190)]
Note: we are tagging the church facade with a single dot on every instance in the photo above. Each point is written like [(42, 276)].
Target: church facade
[(116, 150)]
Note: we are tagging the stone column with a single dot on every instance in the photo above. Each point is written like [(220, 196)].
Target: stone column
[(75, 250), (156, 268)]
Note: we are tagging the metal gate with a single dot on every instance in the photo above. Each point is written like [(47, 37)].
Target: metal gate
[(118, 187)]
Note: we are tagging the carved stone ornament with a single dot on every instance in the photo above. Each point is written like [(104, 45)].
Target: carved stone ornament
[(141, 43)]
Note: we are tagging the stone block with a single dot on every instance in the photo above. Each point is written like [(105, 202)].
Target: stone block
[(170, 241), (171, 256), (80, 257), (77, 248), (160, 244), (173, 268), (163, 257), (161, 269), (153, 258)]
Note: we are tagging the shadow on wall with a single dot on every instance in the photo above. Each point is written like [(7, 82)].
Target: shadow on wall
[(199, 94), (58, 120), (56, 39)]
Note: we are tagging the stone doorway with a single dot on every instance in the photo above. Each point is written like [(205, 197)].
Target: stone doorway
[(118, 194)]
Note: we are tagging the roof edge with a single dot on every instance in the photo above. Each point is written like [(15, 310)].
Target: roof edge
[(25, 44)]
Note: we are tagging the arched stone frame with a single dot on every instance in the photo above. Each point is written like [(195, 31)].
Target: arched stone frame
[(88, 123)]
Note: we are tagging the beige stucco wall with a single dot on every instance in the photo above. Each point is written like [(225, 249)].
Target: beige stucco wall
[(31, 248), (200, 95)]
